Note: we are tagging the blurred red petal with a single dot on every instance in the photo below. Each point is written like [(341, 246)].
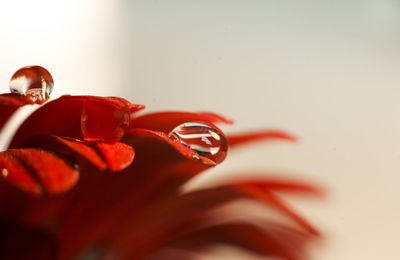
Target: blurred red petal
[(271, 240), (167, 121), (178, 211), (266, 135), (271, 199), (279, 184), (23, 242)]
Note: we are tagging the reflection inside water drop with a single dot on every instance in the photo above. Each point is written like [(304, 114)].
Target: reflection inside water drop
[(34, 82), (205, 140)]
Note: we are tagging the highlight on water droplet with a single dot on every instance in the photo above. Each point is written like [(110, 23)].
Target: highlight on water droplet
[(205, 140), (4, 172), (34, 82)]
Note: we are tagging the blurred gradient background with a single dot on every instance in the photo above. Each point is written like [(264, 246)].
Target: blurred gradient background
[(328, 71)]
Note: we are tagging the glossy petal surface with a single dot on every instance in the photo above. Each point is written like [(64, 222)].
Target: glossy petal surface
[(79, 117), (167, 121), (54, 174), (118, 155), (16, 174)]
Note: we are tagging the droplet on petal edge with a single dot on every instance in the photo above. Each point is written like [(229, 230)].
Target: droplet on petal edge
[(34, 82), (205, 140)]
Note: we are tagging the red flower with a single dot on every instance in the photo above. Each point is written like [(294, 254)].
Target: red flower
[(85, 177)]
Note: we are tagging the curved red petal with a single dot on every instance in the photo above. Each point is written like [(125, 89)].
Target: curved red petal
[(163, 139), (74, 147), (271, 199), (54, 174), (279, 184), (79, 117), (84, 150), (184, 209), (9, 103), (117, 155), (102, 120), (265, 135), (167, 121), (121, 102), (270, 240), (15, 100), (13, 172), (148, 231)]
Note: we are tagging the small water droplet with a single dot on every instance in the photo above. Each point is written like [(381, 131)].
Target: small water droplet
[(34, 82), (205, 140), (4, 172)]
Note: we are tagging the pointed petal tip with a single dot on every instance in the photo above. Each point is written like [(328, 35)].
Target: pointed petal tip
[(117, 155), (136, 107), (166, 121), (262, 135), (270, 198), (218, 118), (281, 184)]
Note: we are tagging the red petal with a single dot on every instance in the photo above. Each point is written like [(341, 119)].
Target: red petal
[(178, 211), (78, 117), (280, 184), (235, 140), (118, 155), (55, 175), (17, 175), (102, 120), (85, 151), (137, 134), (15, 100), (167, 121), (272, 240), (9, 103), (272, 199), (148, 231), (180, 215), (121, 102)]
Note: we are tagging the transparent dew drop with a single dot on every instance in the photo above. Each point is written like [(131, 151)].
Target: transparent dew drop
[(34, 82), (205, 140)]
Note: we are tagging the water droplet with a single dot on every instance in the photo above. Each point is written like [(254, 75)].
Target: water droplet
[(34, 82), (205, 140), (4, 172)]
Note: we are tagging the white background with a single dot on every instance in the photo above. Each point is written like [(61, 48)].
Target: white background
[(328, 71)]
